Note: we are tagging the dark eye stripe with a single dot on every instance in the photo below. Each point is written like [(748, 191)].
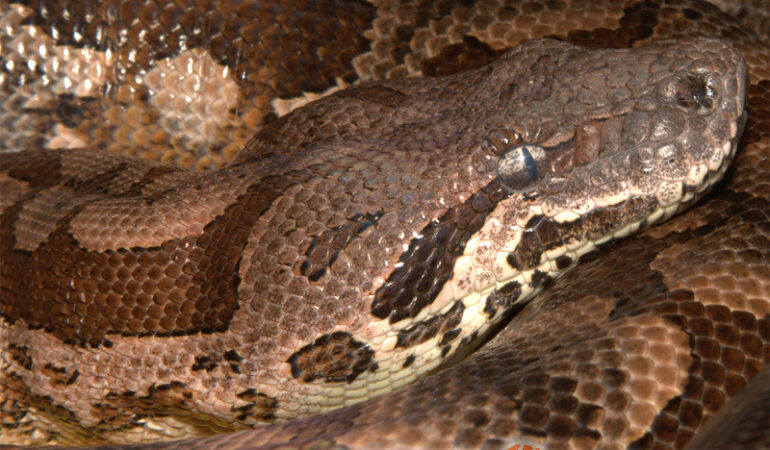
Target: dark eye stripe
[(529, 162)]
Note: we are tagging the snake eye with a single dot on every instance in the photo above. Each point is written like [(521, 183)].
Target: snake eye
[(522, 166)]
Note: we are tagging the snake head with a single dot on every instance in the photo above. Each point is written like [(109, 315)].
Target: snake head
[(581, 146), (547, 153), (589, 129)]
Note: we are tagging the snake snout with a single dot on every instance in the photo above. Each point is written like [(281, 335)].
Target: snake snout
[(708, 89), (709, 80), (680, 139)]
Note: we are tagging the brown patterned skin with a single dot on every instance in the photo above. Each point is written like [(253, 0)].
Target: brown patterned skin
[(557, 374), (316, 265), (249, 60)]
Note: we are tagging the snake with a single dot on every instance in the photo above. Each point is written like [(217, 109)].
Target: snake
[(421, 243)]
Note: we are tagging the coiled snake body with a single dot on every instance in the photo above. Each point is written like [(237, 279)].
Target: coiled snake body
[(384, 231)]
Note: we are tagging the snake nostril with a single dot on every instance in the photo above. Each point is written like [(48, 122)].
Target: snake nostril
[(692, 92)]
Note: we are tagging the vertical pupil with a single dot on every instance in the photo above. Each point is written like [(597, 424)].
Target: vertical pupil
[(529, 163)]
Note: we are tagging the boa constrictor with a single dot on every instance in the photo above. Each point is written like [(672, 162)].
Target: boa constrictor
[(379, 233)]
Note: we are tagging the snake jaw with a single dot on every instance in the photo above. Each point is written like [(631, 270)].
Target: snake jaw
[(715, 89)]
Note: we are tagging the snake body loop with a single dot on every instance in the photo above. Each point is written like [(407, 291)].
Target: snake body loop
[(327, 285)]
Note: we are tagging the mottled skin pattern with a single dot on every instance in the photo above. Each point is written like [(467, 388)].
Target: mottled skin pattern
[(546, 378), (312, 268)]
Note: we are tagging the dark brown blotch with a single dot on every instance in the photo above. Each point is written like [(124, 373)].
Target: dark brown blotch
[(332, 357), (542, 234), (20, 354), (234, 360), (259, 406), (540, 278), (513, 261), (428, 262), (562, 262), (637, 23), (430, 327), (59, 376), (502, 298), (529, 250), (41, 169), (449, 336), (600, 222), (203, 362), (324, 248), (232, 355), (469, 54)]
